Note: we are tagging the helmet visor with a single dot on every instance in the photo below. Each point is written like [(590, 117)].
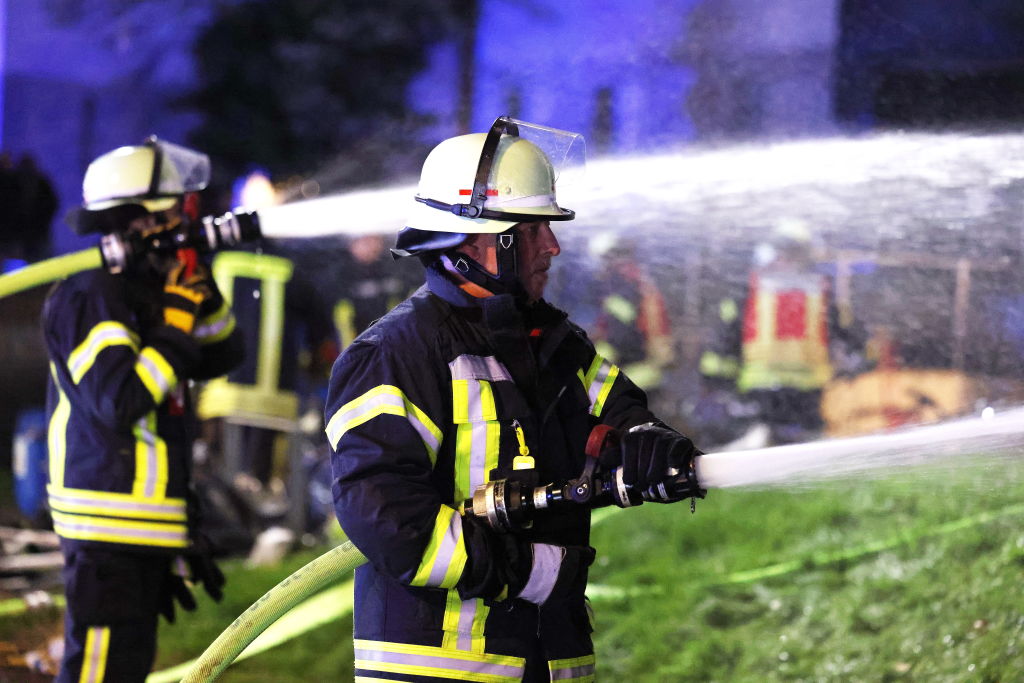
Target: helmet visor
[(566, 150), (193, 170)]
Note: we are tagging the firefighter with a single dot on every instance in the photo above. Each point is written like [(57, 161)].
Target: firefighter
[(475, 378), (122, 349), (776, 348)]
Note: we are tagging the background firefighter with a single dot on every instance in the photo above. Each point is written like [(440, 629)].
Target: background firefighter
[(122, 349), (473, 378)]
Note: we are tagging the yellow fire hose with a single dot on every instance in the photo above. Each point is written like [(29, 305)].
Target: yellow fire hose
[(310, 579), (49, 270)]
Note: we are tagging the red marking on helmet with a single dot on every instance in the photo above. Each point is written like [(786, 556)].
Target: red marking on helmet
[(490, 193)]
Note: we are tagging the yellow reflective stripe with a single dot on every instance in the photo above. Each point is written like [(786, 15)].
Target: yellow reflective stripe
[(620, 308), (384, 400), (463, 453), (150, 459), (598, 383), (463, 623), (102, 336), (156, 373), (460, 401), (477, 446), (94, 658), (109, 504), (423, 660), (575, 670), (132, 532), (445, 555), (217, 326), (472, 401), (57, 432)]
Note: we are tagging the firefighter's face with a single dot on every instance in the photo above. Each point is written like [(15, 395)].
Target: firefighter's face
[(537, 247)]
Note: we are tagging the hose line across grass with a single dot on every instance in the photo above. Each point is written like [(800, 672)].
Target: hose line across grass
[(310, 579)]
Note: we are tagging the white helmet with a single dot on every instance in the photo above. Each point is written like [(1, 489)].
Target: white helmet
[(153, 175), (488, 182)]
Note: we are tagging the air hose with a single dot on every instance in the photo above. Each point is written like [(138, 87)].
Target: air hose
[(310, 579), (49, 270)]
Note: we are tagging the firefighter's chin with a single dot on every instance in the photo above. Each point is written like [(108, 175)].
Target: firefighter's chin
[(535, 284)]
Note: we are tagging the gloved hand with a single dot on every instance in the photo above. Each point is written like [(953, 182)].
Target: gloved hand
[(184, 295), (212, 303), (502, 566), (555, 571), (658, 462), (175, 589)]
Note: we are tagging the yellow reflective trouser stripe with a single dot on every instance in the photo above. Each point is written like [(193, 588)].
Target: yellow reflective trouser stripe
[(598, 383), (156, 373), (423, 660), (103, 335), (94, 659), (215, 327), (464, 623), (384, 400), (133, 532), (150, 460), (57, 432), (120, 505), (575, 670), (445, 556)]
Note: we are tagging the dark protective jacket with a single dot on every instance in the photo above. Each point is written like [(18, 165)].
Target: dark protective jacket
[(120, 418), (421, 408)]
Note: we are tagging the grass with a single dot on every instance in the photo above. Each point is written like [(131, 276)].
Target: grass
[(911, 579)]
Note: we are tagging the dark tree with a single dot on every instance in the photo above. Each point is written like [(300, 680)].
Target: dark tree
[(315, 87)]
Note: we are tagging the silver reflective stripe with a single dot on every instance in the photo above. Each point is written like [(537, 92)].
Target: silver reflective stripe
[(419, 657), (65, 528), (212, 329), (148, 438), (477, 456), (479, 367), (467, 613), (582, 671), (547, 560), (594, 391), (103, 335)]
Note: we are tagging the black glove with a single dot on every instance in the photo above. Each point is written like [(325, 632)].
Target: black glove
[(502, 566), (657, 462), (215, 300), (175, 589)]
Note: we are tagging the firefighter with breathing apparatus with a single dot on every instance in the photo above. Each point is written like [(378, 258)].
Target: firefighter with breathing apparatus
[(461, 410), (123, 342)]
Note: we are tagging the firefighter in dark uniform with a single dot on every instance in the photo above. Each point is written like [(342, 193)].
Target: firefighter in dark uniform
[(122, 349), (475, 378)]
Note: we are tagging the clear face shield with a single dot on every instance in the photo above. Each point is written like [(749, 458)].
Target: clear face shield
[(177, 170)]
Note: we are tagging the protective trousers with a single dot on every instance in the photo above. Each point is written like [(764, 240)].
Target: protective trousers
[(110, 625)]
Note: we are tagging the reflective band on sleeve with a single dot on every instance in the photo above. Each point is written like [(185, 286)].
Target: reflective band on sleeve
[(88, 528), (384, 400), (102, 336), (423, 660), (575, 670), (57, 432), (445, 556), (547, 560), (156, 373), (598, 383), (216, 327), (94, 658)]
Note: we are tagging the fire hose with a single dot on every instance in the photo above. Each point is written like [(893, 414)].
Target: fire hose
[(505, 504)]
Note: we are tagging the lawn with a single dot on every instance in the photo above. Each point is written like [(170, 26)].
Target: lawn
[(915, 579)]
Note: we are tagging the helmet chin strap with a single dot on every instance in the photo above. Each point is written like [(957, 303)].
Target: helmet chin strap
[(507, 280)]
